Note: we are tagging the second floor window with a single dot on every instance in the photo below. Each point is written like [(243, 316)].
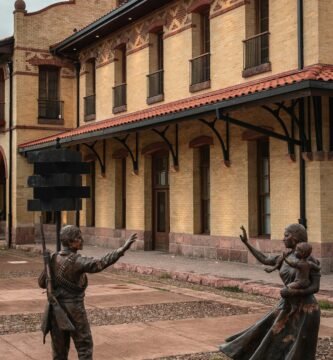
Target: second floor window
[(200, 63), (156, 59), (90, 99), (49, 105), (119, 90), (256, 46)]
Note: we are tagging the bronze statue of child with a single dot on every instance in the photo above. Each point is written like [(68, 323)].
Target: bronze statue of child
[(303, 265)]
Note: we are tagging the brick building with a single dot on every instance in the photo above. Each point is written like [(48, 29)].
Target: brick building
[(197, 116)]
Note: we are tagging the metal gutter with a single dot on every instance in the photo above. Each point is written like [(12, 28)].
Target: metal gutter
[(305, 86)]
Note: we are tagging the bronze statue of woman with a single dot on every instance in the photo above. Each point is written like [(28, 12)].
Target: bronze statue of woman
[(282, 334)]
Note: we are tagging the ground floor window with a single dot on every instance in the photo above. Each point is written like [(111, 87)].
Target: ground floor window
[(264, 212), (205, 188)]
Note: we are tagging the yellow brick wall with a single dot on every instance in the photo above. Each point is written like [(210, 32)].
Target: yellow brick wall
[(104, 95), (229, 185), (32, 28), (325, 32)]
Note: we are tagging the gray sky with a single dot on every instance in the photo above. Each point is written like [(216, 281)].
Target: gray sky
[(6, 13)]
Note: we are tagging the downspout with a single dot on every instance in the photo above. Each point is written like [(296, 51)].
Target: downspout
[(78, 68), (10, 173), (302, 178), (300, 34)]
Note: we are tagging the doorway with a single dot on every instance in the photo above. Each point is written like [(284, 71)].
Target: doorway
[(161, 215)]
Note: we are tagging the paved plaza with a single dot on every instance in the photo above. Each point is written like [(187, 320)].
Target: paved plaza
[(132, 316)]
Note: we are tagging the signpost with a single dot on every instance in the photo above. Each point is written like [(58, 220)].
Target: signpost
[(57, 182)]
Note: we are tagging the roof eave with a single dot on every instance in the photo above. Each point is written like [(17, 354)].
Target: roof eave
[(303, 88), (116, 19)]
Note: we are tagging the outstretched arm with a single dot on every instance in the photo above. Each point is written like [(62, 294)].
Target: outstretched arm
[(93, 265), (121, 251), (256, 253)]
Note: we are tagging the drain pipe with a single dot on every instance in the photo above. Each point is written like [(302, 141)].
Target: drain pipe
[(302, 175), (78, 68), (300, 34), (10, 173)]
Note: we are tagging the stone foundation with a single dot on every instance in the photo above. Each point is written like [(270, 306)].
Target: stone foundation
[(2, 229), (23, 235), (200, 246), (232, 249)]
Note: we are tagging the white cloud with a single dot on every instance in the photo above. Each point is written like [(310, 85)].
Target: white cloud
[(6, 13)]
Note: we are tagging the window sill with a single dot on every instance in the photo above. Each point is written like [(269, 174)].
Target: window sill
[(51, 121), (257, 70), (200, 86), (119, 109), (155, 99), (90, 117)]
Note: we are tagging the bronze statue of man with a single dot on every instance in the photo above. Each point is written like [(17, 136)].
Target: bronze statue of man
[(69, 282)]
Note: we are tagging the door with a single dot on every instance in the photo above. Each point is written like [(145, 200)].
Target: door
[(161, 216)]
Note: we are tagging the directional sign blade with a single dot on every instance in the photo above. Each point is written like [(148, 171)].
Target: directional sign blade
[(54, 180), (48, 193), (55, 205), (55, 155), (45, 168)]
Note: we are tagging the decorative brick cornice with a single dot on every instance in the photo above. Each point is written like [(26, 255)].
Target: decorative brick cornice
[(178, 31), (236, 4)]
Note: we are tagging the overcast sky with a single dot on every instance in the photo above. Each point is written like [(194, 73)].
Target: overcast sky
[(6, 13)]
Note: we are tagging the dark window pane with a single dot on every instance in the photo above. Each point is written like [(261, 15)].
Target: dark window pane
[(161, 211), (264, 188), (205, 188)]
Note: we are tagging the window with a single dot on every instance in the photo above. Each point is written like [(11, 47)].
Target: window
[(256, 47), (90, 99), (264, 223), (120, 190), (91, 202), (2, 98), (205, 188), (200, 63), (119, 90), (155, 77), (49, 105)]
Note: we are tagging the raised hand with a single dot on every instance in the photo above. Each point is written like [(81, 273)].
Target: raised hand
[(129, 242), (243, 236)]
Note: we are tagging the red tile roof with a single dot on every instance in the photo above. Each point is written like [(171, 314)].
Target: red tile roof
[(315, 72)]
